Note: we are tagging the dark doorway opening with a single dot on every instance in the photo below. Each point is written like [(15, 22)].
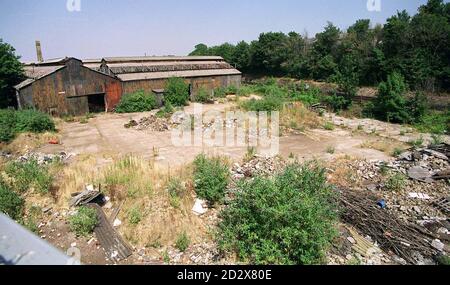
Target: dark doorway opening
[(96, 103)]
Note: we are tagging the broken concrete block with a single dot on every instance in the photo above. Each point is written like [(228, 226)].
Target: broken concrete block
[(199, 207)]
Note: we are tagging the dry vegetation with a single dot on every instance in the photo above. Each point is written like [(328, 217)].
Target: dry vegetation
[(297, 117), (150, 216)]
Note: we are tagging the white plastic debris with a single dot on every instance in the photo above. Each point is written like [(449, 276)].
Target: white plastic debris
[(199, 207), (437, 244), (117, 223), (419, 196), (90, 187)]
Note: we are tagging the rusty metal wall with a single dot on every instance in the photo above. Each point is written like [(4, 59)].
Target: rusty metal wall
[(65, 91), (208, 83)]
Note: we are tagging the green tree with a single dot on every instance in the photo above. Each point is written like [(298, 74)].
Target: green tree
[(241, 56), (11, 73), (325, 52), (200, 50), (390, 104), (269, 53)]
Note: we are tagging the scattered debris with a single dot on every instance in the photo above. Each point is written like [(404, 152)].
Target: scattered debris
[(419, 196), (117, 223), (393, 235), (115, 247), (131, 124), (443, 204), (85, 197), (420, 174), (152, 123), (258, 165), (44, 158)]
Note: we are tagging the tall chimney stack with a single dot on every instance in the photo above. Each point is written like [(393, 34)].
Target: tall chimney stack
[(40, 58)]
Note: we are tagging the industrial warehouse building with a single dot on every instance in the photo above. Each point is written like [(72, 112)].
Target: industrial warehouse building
[(70, 86)]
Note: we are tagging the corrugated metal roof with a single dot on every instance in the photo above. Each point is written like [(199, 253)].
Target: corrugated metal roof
[(186, 74), (24, 83), (35, 73), (161, 58)]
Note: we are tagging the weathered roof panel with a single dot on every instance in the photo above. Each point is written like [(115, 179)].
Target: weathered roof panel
[(186, 74)]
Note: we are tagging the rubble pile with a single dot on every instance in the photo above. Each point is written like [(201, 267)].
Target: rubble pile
[(152, 123), (44, 158), (259, 165), (409, 241)]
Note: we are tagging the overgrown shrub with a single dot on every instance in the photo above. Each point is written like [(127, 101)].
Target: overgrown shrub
[(33, 121), (220, 92), (434, 122), (211, 177), (308, 97), (11, 203), (390, 104), (267, 104), (134, 216), (7, 125), (245, 90), (176, 191), (13, 122), (166, 111), (84, 221), (231, 90), (289, 219), (29, 174), (139, 101), (203, 96), (396, 182), (176, 92), (337, 102), (182, 242)]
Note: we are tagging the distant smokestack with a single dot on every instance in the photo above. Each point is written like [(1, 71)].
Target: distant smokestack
[(40, 58)]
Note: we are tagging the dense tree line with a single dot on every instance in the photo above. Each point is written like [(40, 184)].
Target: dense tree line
[(417, 47), (11, 73)]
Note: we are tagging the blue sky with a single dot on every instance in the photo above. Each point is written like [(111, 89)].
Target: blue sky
[(162, 27)]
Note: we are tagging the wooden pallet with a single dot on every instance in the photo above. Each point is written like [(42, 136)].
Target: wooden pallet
[(443, 204), (115, 247)]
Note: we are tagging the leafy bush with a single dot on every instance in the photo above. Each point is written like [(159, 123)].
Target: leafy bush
[(29, 174), (7, 125), (245, 90), (139, 101), (289, 219), (11, 203), (177, 92), (328, 126), (203, 96), (134, 216), (165, 111), (220, 92), (33, 121), (390, 104), (176, 191), (231, 90), (337, 102), (434, 122), (182, 242), (396, 182), (309, 97), (84, 221), (13, 122), (268, 104), (211, 178)]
